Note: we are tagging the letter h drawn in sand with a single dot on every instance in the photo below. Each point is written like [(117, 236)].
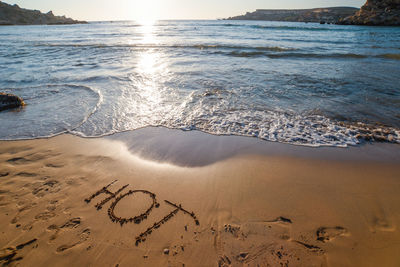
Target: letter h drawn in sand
[(104, 190)]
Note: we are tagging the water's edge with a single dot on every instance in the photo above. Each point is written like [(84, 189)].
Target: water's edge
[(196, 148)]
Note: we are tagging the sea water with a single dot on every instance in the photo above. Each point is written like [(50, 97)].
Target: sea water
[(297, 83)]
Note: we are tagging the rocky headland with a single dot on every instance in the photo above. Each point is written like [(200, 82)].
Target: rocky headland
[(14, 15), (376, 13), (320, 15)]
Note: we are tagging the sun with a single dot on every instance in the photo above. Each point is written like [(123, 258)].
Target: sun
[(146, 21), (145, 12)]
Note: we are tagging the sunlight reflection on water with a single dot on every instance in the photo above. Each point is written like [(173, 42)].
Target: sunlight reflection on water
[(149, 73), (287, 82)]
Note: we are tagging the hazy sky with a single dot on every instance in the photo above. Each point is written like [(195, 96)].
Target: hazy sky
[(167, 9)]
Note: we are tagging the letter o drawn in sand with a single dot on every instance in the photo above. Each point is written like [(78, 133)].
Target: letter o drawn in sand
[(136, 219)]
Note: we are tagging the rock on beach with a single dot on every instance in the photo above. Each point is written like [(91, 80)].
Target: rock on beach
[(9, 101)]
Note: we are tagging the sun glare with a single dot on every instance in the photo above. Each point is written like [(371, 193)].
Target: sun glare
[(145, 12)]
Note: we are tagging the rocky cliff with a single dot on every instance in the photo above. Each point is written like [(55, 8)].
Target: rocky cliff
[(14, 15), (329, 15), (376, 12)]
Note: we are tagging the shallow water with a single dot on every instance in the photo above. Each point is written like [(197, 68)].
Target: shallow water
[(297, 83)]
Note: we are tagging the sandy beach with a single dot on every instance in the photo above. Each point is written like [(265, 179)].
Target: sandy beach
[(237, 208), (200, 133)]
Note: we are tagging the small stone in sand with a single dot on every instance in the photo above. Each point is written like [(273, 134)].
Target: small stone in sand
[(166, 251)]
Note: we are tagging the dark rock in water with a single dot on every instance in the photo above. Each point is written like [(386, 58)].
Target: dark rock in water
[(376, 13), (9, 101), (14, 15)]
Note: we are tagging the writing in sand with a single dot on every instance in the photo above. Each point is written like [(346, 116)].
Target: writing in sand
[(118, 196)]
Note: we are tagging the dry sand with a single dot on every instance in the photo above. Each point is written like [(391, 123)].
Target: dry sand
[(252, 210)]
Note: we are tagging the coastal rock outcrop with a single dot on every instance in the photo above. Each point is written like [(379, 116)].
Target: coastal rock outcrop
[(376, 12), (324, 15), (14, 15), (9, 101)]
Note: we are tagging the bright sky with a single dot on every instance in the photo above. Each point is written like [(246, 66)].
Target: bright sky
[(167, 9)]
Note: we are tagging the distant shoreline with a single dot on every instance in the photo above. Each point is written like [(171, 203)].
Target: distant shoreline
[(318, 15), (372, 13)]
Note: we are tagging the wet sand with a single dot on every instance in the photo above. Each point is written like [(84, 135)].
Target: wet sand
[(217, 201)]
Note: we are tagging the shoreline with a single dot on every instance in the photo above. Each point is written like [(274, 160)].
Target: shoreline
[(276, 208), (159, 143), (177, 147)]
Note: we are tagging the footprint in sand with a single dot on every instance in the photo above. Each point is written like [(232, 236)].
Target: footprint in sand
[(15, 150), (70, 224), (310, 247), (28, 226), (281, 219), (274, 255), (325, 234), (44, 216), (51, 186), (53, 165), (4, 174), (83, 236), (26, 174), (18, 161), (238, 232), (15, 219), (229, 240), (4, 192), (263, 243), (38, 156), (22, 206), (10, 255), (381, 223)]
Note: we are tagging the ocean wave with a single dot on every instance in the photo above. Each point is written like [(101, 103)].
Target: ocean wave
[(246, 54), (293, 55), (314, 55), (212, 111), (274, 52), (390, 56), (209, 111), (283, 127), (307, 55), (92, 112), (183, 46), (225, 25)]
